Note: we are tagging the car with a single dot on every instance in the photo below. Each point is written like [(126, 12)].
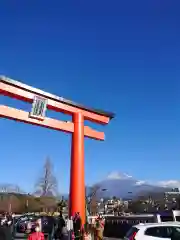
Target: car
[(21, 229), (154, 231)]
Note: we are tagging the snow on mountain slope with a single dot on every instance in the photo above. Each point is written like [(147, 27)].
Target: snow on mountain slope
[(125, 186)]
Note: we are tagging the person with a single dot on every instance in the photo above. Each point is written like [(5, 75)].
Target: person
[(36, 234), (60, 227), (77, 225), (87, 232), (5, 232), (9, 219), (99, 227), (4, 219), (48, 226)]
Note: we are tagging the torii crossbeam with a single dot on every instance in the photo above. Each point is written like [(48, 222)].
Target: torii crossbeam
[(41, 101)]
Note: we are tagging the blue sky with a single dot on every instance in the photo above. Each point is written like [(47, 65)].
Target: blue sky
[(121, 56)]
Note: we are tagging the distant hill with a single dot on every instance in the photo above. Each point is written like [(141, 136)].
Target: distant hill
[(19, 203)]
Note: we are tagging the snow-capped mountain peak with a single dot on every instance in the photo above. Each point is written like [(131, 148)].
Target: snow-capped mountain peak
[(165, 184), (118, 175), (123, 185), (139, 182)]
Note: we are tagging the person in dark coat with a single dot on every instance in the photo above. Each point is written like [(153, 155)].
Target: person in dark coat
[(48, 226), (5, 232), (77, 226), (60, 226)]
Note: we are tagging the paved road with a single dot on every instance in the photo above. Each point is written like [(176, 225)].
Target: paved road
[(66, 238), (106, 238)]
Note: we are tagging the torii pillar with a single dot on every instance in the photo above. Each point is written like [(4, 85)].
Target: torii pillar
[(41, 101)]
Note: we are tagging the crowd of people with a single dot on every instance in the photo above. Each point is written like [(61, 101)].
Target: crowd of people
[(56, 229), (35, 230)]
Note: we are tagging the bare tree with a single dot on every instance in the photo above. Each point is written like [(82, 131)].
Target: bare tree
[(47, 184), (92, 203), (93, 191)]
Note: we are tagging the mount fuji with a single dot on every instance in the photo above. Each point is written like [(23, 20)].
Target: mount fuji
[(123, 185)]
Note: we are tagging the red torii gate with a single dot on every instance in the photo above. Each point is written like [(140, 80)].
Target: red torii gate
[(41, 101)]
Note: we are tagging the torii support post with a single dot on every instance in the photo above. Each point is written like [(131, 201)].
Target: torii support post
[(41, 101), (77, 184)]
